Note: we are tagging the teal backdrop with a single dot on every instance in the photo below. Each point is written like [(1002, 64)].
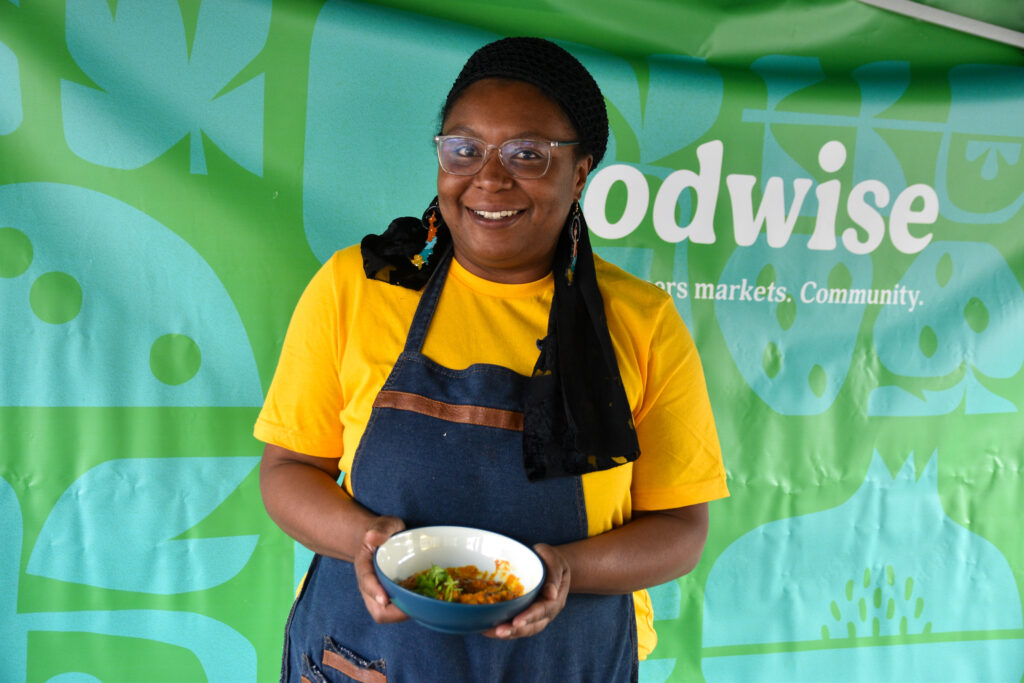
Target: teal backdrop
[(832, 194)]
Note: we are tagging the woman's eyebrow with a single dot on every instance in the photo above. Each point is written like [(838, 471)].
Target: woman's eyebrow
[(521, 135), (463, 130)]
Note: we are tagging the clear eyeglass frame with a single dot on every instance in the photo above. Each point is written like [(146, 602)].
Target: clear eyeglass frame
[(515, 169)]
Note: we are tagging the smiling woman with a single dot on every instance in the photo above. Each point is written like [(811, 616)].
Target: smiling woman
[(481, 367), (504, 227)]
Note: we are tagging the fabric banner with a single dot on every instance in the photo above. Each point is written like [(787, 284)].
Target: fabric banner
[(831, 193)]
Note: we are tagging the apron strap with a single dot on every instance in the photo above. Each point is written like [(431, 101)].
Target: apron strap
[(427, 305)]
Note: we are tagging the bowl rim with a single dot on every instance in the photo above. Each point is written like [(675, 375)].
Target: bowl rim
[(529, 593)]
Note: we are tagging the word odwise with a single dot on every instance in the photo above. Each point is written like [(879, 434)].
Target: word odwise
[(915, 205)]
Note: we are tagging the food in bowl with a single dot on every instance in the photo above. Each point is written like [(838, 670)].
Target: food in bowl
[(466, 584), (416, 550)]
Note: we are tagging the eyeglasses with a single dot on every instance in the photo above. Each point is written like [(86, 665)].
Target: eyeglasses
[(461, 155)]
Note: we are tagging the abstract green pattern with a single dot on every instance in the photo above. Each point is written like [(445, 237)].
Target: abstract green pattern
[(831, 194)]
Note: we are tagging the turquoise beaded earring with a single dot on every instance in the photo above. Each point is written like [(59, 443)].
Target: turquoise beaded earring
[(430, 219)]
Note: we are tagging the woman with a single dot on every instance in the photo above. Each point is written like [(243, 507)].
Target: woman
[(611, 454)]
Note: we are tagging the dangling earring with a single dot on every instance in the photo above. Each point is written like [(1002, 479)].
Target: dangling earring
[(574, 235), (430, 219)]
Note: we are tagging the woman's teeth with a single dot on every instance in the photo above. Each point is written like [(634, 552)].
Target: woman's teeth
[(495, 215)]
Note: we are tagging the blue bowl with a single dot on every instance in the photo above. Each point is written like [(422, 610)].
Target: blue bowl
[(414, 550)]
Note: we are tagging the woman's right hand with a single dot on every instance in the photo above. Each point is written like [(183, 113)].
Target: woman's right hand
[(378, 604), (302, 496)]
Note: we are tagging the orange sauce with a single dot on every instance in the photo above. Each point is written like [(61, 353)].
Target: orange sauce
[(475, 587)]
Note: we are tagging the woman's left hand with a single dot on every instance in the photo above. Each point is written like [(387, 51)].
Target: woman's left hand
[(549, 602)]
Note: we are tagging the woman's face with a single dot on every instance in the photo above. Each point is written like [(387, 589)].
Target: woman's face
[(518, 245)]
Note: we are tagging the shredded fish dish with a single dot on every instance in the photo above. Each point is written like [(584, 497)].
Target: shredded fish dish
[(467, 584)]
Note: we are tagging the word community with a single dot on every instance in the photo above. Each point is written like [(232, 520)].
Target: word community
[(916, 205), (810, 293)]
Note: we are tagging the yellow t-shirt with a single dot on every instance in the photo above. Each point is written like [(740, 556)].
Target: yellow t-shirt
[(347, 331)]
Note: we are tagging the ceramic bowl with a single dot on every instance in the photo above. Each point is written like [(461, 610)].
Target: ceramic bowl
[(414, 550)]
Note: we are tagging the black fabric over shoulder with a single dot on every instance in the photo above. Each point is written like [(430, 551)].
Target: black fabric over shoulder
[(388, 257)]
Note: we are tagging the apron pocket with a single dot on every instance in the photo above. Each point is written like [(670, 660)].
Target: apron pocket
[(354, 666), (310, 674)]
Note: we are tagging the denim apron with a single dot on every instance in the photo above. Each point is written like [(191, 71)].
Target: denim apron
[(444, 446)]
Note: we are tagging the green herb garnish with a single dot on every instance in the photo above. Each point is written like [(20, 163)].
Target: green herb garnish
[(436, 583)]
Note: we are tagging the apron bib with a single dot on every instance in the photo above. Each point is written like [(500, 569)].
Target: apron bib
[(444, 446)]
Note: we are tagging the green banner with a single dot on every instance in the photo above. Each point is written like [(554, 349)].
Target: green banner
[(832, 193)]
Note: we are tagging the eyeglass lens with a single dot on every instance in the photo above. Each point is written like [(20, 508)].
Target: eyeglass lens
[(522, 158)]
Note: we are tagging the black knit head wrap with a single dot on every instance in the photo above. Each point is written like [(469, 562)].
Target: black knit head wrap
[(576, 415), (554, 72)]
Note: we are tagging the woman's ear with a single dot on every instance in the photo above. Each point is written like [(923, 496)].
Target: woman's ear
[(582, 170)]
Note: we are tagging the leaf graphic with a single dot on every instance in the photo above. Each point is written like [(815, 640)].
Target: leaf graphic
[(1010, 152), (350, 116), (972, 315), (15, 643), (891, 540), (223, 652), (801, 353), (985, 112), (684, 98), (10, 549), (153, 91), (114, 527), (148, 295), (881, 84), (682, 101), (10, 91)]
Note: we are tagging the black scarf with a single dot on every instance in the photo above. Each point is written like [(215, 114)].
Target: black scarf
[(577, 417)]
